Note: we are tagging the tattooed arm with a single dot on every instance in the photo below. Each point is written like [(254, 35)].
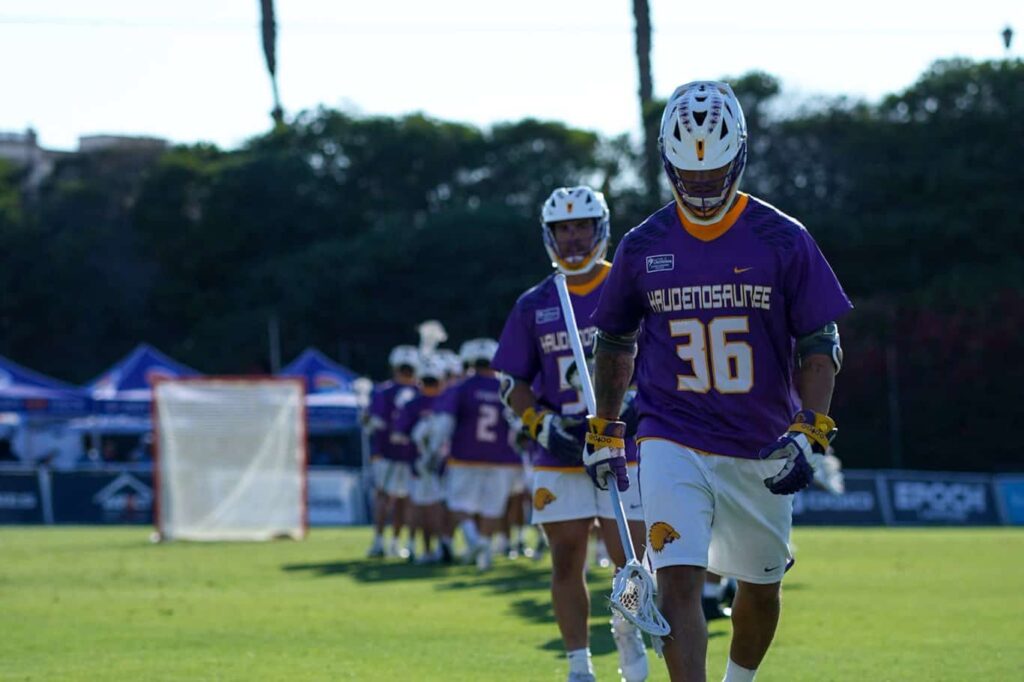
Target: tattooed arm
[(613, 369)]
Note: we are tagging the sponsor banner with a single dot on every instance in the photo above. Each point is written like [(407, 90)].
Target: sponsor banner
[(21, 500), (103, 497), (335, 497), (941, 499), (860, 505), (1011, 493)]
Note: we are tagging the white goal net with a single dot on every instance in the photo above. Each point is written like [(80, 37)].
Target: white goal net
[(230, 458)]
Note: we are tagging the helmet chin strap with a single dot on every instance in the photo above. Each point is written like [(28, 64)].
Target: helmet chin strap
[(713, 218), (579, 271)]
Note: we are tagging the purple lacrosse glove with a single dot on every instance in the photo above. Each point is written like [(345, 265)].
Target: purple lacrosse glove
[(808, 435), (606, 452)]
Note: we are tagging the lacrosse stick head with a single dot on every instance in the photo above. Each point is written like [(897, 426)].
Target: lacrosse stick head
[(633, 594)]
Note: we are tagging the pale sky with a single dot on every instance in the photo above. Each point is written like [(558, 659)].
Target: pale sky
[(193, 70)]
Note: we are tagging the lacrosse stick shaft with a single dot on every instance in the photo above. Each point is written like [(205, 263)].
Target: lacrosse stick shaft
[(588, 397)]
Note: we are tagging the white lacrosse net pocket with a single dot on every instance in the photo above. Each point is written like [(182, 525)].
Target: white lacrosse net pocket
[(633, 594)]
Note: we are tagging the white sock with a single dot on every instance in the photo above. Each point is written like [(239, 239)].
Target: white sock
[(579, 661), (737, 673), (469, 530)]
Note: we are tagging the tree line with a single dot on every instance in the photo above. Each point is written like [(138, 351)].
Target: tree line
[(350, 230)]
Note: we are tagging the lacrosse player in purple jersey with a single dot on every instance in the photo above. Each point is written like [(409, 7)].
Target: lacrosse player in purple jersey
[(390, 475), (536, 361), (426, 492), (735, 368), (482, 467)]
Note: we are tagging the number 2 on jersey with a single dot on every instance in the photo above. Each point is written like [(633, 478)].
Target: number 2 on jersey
[(486, 420), (714, 359)]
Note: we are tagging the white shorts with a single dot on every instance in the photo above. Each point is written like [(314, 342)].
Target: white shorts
[(715, 512), (427, 489), (569, 494), (521, 482), (481, 489), (391, 477)]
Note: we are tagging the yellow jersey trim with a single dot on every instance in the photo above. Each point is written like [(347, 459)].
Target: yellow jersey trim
[(599, 278), (707, 233)]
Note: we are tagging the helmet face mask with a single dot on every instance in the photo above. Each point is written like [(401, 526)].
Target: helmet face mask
[(477, 351), (703, 146), (572, 205), (404, 360), (431, 371)]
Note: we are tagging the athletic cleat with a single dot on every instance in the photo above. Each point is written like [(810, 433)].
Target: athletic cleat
[(376, 550), (632, 653), (581, 677)]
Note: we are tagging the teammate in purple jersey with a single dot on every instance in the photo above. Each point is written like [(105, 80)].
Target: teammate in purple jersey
[(426, 490), (482, 466), (739, 344), (390, 475), (536, 362)]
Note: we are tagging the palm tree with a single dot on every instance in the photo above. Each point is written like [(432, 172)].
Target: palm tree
[(269, 52), (651, 173)]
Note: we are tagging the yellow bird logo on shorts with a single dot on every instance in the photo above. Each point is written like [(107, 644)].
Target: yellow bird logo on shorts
[(542, 498), (661, 534)]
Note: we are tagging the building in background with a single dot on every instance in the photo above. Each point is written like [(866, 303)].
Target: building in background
[(23, 150)]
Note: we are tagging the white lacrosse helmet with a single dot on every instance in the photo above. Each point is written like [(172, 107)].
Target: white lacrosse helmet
[(450, 359), (431, 367), (703, 129), (475, 350), (404, 355), (573, 203)]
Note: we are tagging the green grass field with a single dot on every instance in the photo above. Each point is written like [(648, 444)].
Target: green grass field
[(105, 604)]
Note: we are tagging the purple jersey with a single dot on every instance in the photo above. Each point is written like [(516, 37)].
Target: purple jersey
[(720, 307), (420, 406), (481, 432), (534, 347), (388, 399)]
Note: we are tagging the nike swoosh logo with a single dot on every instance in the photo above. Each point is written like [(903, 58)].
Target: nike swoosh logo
[(769, 570), (634, 506), (740, 271)]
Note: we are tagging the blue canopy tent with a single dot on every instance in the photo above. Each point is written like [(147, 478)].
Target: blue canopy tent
[(332, 403), (36, 411), (122, 396), (36, 395)]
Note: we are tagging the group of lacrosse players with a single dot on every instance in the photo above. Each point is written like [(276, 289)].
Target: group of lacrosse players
[(444, 458), (712, 344)]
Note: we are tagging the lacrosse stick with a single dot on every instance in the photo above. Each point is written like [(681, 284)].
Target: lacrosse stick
[(633, 588), (432, 334)]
